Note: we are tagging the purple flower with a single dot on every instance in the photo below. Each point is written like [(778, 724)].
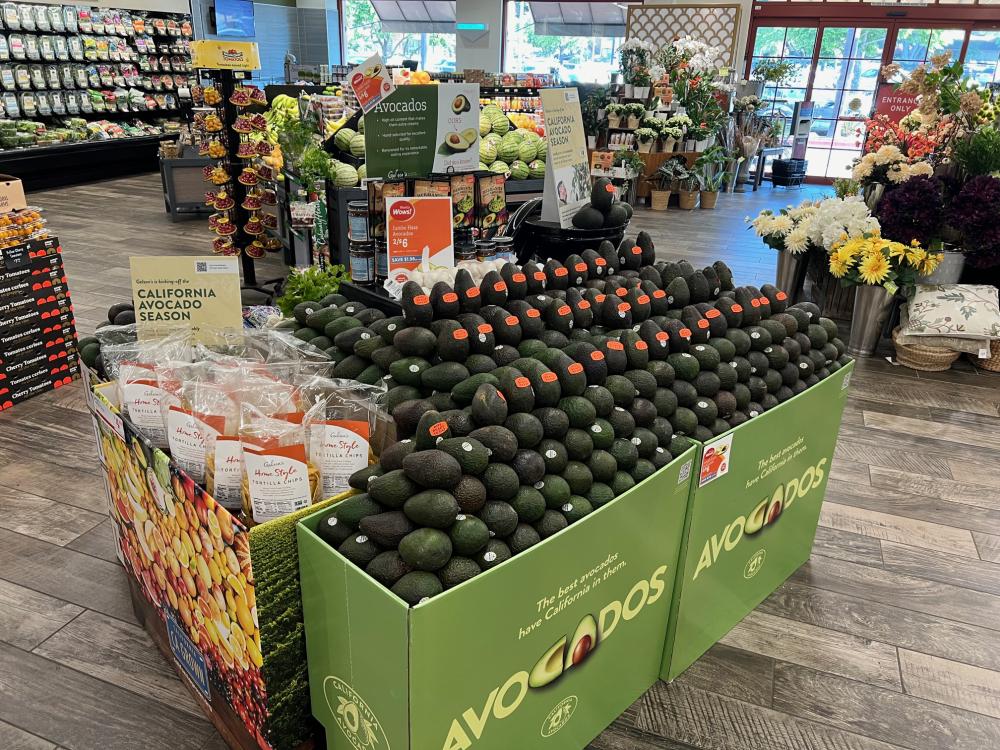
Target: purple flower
[(913, 211), (975, 211)]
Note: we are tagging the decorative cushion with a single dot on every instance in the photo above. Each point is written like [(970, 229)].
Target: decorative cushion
[(971, 345), (962, 310)]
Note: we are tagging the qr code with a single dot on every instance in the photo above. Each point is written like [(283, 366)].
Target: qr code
[(201, 266), (685, 472)]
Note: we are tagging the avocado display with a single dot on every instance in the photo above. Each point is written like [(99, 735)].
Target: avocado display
[(526, 397)]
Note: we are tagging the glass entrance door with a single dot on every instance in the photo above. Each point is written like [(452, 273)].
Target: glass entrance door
[(843, 90)]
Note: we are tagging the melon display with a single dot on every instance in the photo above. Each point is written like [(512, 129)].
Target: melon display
[(519, 170), (357, 145), (487, 152), (500, 167)]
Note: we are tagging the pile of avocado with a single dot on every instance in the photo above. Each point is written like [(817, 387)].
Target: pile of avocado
[(90, 348), (526, 402), (604, 209)]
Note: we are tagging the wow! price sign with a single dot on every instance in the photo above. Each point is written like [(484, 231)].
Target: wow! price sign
[(418, 235)]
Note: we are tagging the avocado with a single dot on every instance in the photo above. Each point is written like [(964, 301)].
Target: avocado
[(469, 299), (444, 376), (459, 105), (493, 289), (488, 406), (636, 350), (501, 481), (529, 466), (527, 428), (416, 305), (602, 195), (601, 493), (470, 494), (359, 549), (468, 535), (550, 666), (522, 538), (387, 567), (678, 293), (554, 423), (386, 529), (578, 477), (714, 283), (740, 340), (551, 522), (589, 217), (352, 509), (528, 318), (501, 441), (750, 303), (643, 412), (416, 586), (495, 553), (777, 299), (622, 483), (426, 549), (559, 317), (392, 456), (456, 142), (392, 489), (602, 465), (432, 469), (481, 338), (500, 517), (556, 274), (334, 531)]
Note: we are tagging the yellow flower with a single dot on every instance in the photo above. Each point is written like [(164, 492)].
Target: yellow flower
[(930, 263), (838, 267), (914, 243), (916, 256), (898, 249), (873, 268), (849, 250)]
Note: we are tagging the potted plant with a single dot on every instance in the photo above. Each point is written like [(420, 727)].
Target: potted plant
[(688, 186), (646, 138), (615, 113), (669, 136), (629, 163), (591, 118), (634, 56), (697, 138), (635, 113), (661, 183), (712, 174), (640, 84), (878, 268)]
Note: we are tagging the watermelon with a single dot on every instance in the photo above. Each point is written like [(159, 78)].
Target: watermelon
[(512, 137), (500, 123), (523, 132), (485, 125), (543, 149), (357, 145), (519, 170), (526, 151), (536, 168), (508, 151), (482, 167), (500, 167), (487, 152), (492, 138), (346, 175), (362, 172), (342, 139), (361, 124)]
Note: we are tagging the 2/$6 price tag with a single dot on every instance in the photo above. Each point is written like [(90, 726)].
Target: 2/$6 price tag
[(418, 234)]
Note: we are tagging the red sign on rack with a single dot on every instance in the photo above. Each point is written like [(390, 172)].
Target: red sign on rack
[(892, 103)]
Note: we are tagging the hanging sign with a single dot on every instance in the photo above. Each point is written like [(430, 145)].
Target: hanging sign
[(418, 234), (424, 129), (567, 170), (892, 103), (371, 82), (217, 54), (188, 292)]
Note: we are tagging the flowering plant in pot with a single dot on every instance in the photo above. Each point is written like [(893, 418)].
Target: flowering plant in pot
[(635, 113), (646, 138), (878, 268), (669, 136), (634, 56), (615, 112)]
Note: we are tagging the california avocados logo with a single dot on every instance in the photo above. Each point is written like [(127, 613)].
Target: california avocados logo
[(559, 716), (361, 727), (764, 514), (565, 655)]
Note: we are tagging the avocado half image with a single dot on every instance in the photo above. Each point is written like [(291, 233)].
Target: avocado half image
[(456, 142), (766, 512), (460, 104), (565, 655)]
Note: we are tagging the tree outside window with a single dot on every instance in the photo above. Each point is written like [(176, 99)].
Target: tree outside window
[(363, 37)]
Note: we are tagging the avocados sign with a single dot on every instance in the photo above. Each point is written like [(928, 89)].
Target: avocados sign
[(545, 650), (422, 129), (752, 520)]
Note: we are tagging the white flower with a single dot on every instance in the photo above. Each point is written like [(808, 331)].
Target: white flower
[(797, 241), (782, 225), (888, 154), (835, 217), (921, 169), (656, 73)]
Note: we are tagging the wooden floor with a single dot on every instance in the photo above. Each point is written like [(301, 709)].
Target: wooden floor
[(888, 638)]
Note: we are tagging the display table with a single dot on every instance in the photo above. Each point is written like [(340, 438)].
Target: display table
[(184, 184)]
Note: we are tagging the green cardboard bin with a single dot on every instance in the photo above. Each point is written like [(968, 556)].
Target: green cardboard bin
[(752, 516), (484, 664)]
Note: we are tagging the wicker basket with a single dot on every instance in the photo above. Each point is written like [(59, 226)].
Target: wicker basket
[(991, 363), (925, 358)]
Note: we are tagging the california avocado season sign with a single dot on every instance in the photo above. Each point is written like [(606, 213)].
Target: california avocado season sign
[(424, 129), (170, 293), (567, 171)]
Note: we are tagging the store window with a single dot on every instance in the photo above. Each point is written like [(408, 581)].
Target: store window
[(398, 31), (576, 41), (982, 58), (790, 44), (916, 46)]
